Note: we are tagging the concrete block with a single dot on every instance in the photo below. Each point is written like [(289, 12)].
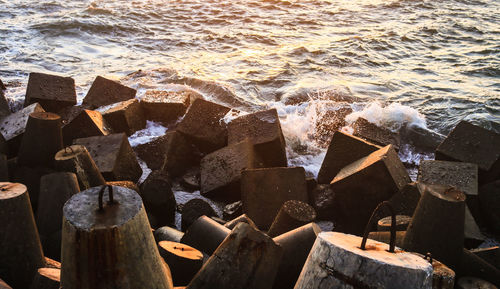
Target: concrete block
[(243, 218), (105, 91), (159, 199), (473, 283), (263, 129), (165, 106), (264, 191), (375, 134), (405, 201), (184, 261), (344, 149), (168, 234), (489, 199), (221, 171), (82, 123), (205, 235), (473, 144), (402, 223), (194, 209), (4, 147), (363, 184), (232, 210), (4, 105), (12, 127), (293, 214), (329, 122), (490, 255), (113, 156), (203, 125), (180, 154), (53, 92), (422, 138), (4, 168), (126, 116)]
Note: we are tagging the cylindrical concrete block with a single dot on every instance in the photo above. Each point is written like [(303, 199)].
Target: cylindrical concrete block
[(205, 235), (42, 139), (109, 245), (47, 278), (291, 215), (442, 276), (242, 218), (184, 261), (474, 266), (336, 261), (474, 283), (438, 225), (168, 234), (4, 285), (76, 159), (296, 246), (402, 222), (20, 249), (4, 168)]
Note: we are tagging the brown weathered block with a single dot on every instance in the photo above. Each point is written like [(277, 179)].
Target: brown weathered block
[(405, 201), (51, 91), (343, 150), (159, 199), (194, 209), (330, 121), (84, 123), (203, 125), (205, 234), (4, 105), (264, 191), (126, 116), (375, 134), (184, 261), (473, 144), (221, 170), (489, 199), (423, 139), (293, 214), (165, 106), (362, 185), (263, 129), (105, 91), (12, 127), (180, 154), (113, 156)]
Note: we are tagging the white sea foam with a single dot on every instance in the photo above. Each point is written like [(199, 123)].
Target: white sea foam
[(152, 131)]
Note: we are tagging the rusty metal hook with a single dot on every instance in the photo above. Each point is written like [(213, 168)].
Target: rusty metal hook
[(101, 196), (392, 243)]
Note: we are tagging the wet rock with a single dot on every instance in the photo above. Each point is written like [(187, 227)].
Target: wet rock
[(82, 123), (343, 150), (221, 170), (233, 210), (12, 127), (264, 191), (263, 129), (203, 125), (126, 116), (363, 184), (113, 156), (105, 91), (375, 134), (159, 199), (194, 209), (473, 144), (165, 106), (489, 198), (53, 92), (191, 179), (329, 122), (180, 154)]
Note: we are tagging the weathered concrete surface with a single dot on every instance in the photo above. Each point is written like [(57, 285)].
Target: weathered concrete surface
[(474, 283), (180, 154), (47, 278), (402, 222), (4, 105), (263, 129), (165, 106), (292, 214), (385, 237), (322, 199), (159, 199), (4, 168), (343, 150), (375, 134), (423, 139), (168, 234), (205, 234), (53, 92), (336, 261), (105, 91), (184, 261), (263, 192), (194, 209), (243, 218), (81, 123), (203, 125), (113, 156), (126, 116), (405, 201), (489, 199)]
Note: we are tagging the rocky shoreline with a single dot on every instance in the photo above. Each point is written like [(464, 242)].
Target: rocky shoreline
[(60, 162)]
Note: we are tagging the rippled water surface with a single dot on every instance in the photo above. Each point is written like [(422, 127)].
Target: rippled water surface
[(440, 58)]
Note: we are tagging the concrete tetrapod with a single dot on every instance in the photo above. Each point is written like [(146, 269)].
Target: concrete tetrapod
[(247, 259), (110, 245), (20, 249)]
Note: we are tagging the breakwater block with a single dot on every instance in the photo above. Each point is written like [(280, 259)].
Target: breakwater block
[(159, 199), (343, 150), (362, 185), (4, 168), (296, 246), (205, 235), (81, 123), (291, 215), (125, 184), (330, 121), (243, 218), (76, 159), (322, 199), (490, 255), (203, 125), (405, 201), (264, 191), (194, 209), (474, 266), (4, 285), (105, 91), (53, 92), (474, 283), (489, 198), (184, 261), (220, 171), (247, 259), (4, 147), (126, 116), (337, 261), (153, 153), (423, 139), (375, 134), (4, 105), (12, 127), (20, 250), (402, 222), (165, 106), (473, 144), (113, 156), (263, 129), (385, 237), (47, 278), (180, 154), (168, 234)]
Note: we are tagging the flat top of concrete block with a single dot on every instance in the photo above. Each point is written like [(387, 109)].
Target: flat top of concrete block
[(52, 87), (82, 210), (11, 190), (463, 176), (262, 126), (14, 124), (105, 91), (51, 273), (375, 250), (202, 118), (400, 220), (181, 250), (104, 149), (70, 152), (444, 192), (123, 105), (162, 96), (44, 115), (471, 143), (299, 210)]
